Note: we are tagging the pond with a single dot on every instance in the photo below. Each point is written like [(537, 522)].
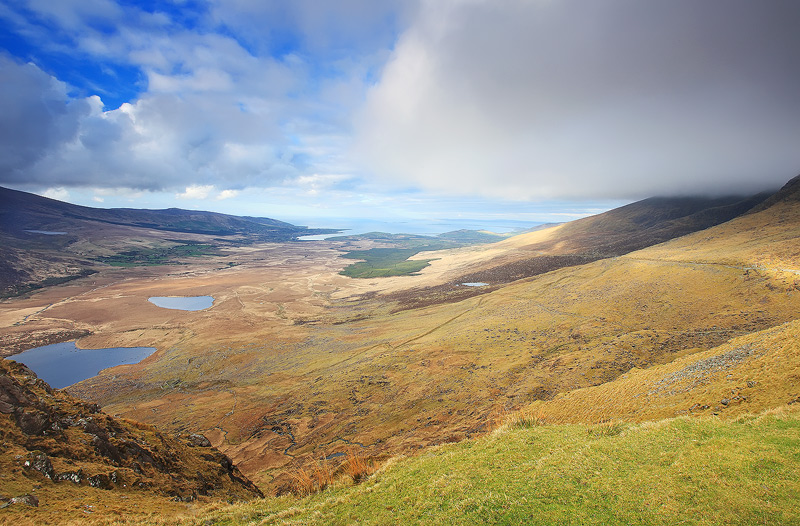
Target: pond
[(63, 364), (475, 284), (46, 232), (182, 302)]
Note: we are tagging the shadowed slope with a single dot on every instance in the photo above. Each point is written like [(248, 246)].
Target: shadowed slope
[(21, 211), (613, 233)]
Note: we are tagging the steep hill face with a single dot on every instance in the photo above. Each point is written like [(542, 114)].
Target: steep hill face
[(58, 454), (613, 233), (610, 234), (746, 375)]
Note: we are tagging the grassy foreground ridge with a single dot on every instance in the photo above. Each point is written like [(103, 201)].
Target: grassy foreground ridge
[(675, 471)]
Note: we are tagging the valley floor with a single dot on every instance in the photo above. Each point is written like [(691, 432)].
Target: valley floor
[(296, 366)]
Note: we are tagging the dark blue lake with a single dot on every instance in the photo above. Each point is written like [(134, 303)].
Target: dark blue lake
[(63, 364), (182, 302)]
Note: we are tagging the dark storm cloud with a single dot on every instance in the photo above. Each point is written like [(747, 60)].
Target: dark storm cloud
[(570, 98)]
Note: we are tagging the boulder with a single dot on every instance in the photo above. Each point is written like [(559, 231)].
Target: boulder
[(199, 440)]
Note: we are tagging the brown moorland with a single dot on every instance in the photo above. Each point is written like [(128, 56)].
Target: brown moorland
[(295, 363)]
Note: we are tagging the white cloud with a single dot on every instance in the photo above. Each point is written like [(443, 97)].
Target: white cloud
[(59, 193), (36, 117), (509, 98), (321, 183), (227, 194), (196, 192), (214, 113)]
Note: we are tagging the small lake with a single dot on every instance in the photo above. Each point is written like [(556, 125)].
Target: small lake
[(46, 232), (475, 284), (182, 302), (63, 364), (319, 237)]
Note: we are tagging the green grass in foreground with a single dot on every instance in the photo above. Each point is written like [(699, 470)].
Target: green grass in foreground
[(680, 471)]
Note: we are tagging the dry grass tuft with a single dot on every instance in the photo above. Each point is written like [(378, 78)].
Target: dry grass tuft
[(522, 419), (606, 428), (308, 480), (358, 467)]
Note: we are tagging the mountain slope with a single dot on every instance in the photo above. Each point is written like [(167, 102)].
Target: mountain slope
[(21, 211), (580, 456), (63, 451), (613, 233), (360, 372)]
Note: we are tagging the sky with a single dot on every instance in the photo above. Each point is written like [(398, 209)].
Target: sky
[(307, 110)]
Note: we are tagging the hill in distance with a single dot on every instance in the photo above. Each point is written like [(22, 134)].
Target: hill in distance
[(45, 242)]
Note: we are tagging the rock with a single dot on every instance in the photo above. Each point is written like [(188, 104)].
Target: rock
[(76, 477), (724, 401), (105, 448), (11, 395), (38, 461), (33, 422), (184, 496), (101, 480), (199, 440), (28, 500)]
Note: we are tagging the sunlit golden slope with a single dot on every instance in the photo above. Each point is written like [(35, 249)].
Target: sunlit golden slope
[(746, 375)]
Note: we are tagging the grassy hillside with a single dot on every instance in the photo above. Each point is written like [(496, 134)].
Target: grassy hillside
[(678, 471), (622, 461)]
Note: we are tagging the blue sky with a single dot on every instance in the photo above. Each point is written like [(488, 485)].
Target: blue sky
[(310, 109)]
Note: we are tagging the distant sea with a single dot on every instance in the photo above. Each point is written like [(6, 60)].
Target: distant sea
[(351, 227)]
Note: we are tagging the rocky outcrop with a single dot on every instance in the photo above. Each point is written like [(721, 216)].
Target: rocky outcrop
[(67, 441)]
